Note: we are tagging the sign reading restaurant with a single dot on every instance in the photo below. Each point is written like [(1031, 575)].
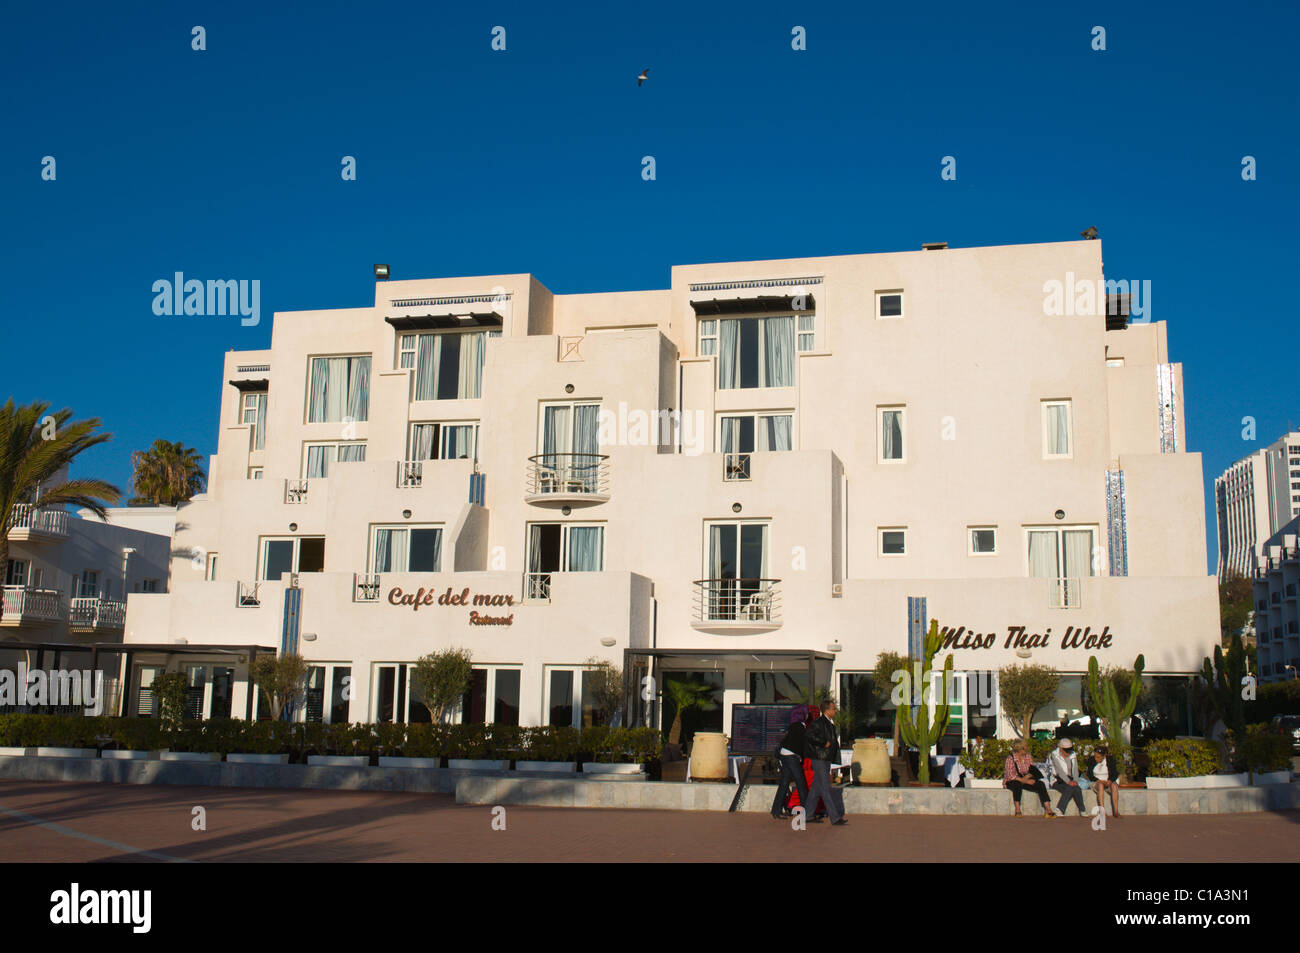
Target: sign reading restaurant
[(425, 597), (1019, 637)]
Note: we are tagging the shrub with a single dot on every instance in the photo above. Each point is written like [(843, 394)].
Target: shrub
[(1183, 758), (1263, 749), (990, 758)]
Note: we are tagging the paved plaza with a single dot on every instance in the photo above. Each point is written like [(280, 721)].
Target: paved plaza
[(45, 821)]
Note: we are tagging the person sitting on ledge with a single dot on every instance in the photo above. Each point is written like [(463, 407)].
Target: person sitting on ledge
[(1020, 773), (1065, 771), (1104, 774)]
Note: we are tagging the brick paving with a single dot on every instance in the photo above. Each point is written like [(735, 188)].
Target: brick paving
[(320, 826)]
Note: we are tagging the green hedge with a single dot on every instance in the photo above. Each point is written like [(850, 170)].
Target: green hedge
[(1183, 758), (230, 735), (1263, 748)]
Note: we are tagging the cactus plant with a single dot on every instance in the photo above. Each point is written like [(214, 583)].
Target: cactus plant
[(922, 732), (1105, 700), (1224, 682)]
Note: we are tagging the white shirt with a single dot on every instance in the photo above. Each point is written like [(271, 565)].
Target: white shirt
[(1100, 771)]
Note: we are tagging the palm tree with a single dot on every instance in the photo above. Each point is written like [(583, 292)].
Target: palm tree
[(685, 695), (35, 446), (166, 474)]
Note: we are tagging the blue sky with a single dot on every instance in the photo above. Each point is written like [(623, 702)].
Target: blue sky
[(225, 164)]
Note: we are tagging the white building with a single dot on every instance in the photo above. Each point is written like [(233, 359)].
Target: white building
[(68, 579), (1277, 609), (741, 478), (1254, 498)]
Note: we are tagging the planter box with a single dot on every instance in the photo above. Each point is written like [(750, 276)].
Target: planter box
[(986, 783), (410, 763), (42, 752), (1273, 777), (202, 756), (16, 752), (1199, 781), (546, 767), (123, 755), (257, 758), (477, 764), (592, 767), (338, 760)]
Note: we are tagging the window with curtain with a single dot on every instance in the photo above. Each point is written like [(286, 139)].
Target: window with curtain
[(255, 416), (448, 366), (340, 387), (1056, 428), (565, 547), (1063, 553), (319, 456), (757, 432), (756, 352), (891, 433), (406, 549), (444, 441)]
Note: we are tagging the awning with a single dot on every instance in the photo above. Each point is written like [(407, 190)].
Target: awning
[(426, 322), (251, 383), (763, 304)]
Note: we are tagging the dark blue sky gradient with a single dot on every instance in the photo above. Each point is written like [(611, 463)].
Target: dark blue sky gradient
[(225, 164)]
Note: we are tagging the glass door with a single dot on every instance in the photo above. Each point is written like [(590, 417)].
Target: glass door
[(737, 566)]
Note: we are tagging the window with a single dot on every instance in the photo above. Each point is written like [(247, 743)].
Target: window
[(448, 365), (89, 588), (1057, 429), (292, 554), (983, 540), (340, 387), (569, 448), (390, 693), (889, 304), (807, 332), (736, 586), (16, 572), (255, 473), (756, 352), (253, 413), (317, 457), (1063, 554), (709, 336), (890, 423), (571, 699), (149, 585), (1114, 362), (562, 547), (756, 432), (492, 691), (893, 541), (406, 549), (211, 572), (444, 441)]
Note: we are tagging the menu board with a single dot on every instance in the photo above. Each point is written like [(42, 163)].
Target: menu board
[(758, 729)]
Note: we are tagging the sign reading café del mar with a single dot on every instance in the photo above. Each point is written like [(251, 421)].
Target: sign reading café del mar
[(426, 597)]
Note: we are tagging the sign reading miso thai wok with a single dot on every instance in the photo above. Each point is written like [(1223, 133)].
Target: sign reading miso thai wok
[(426, 597), (1019, 637)]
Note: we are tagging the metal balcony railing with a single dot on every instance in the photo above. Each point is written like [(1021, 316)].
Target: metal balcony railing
[(410, 473), (22, 604), (735, 466), (91, 613), (44, 522), (295, 491), (738, 600), (1065, 593), (246, 595), (365, 587), (568, 474), (537, 586)]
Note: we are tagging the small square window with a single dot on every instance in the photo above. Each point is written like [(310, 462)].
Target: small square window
[(893, 542), (889, 304), (983, 541)]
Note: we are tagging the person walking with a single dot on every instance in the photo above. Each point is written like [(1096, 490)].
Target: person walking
[(1064, 767), (823, 746), (790, 756)]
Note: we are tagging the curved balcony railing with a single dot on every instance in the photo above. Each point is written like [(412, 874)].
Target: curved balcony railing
[(568, 477), (23, 605), (89, 613), (29, 520), (738, 602)]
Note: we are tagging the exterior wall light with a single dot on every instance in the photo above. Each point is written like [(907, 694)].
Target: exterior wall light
[(566, 510), (568, 388), (406, 514), (293, 527), (607, 641), (735, 507), (1060, 514), (309, 636), (834, 647)]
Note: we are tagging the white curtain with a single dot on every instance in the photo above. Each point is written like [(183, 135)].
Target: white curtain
[(351, 452), (535, 549), (259, 438), (776, 432), (1042, 555), (328, 389), (1058, 429), (1078, 553), (892, 434), (729, 354), (390, 550), (585, 548), (426, 367), (777, 352), (359, 388), (422, 441), (471, 365), (318, 461), (556, 434), (730, 434), (458, 442)]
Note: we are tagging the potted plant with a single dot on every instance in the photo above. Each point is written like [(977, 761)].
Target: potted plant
[(550, 750), (257, 742), (469, 749), (1188, 763)]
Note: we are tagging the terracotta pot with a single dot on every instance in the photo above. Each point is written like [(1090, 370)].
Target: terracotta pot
[(870, 761), (709, 755)]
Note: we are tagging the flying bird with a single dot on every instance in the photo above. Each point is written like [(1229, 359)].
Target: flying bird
[(645, 74)]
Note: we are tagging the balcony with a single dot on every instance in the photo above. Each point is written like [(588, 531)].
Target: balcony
[(568, 478), (1065, 593), (35, 524), (365, 587), (737, 606), (295, 491), (410, 474), (537, 587), (23, 606), (735, 466), (246, 595), (96, 615)]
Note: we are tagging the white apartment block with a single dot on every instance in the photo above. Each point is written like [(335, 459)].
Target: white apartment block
[(1277, 608), (1254, 499), (741, 478)]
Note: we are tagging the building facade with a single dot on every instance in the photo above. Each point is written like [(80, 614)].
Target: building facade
[(1254, 499), (739, 480), (1277, 609)]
